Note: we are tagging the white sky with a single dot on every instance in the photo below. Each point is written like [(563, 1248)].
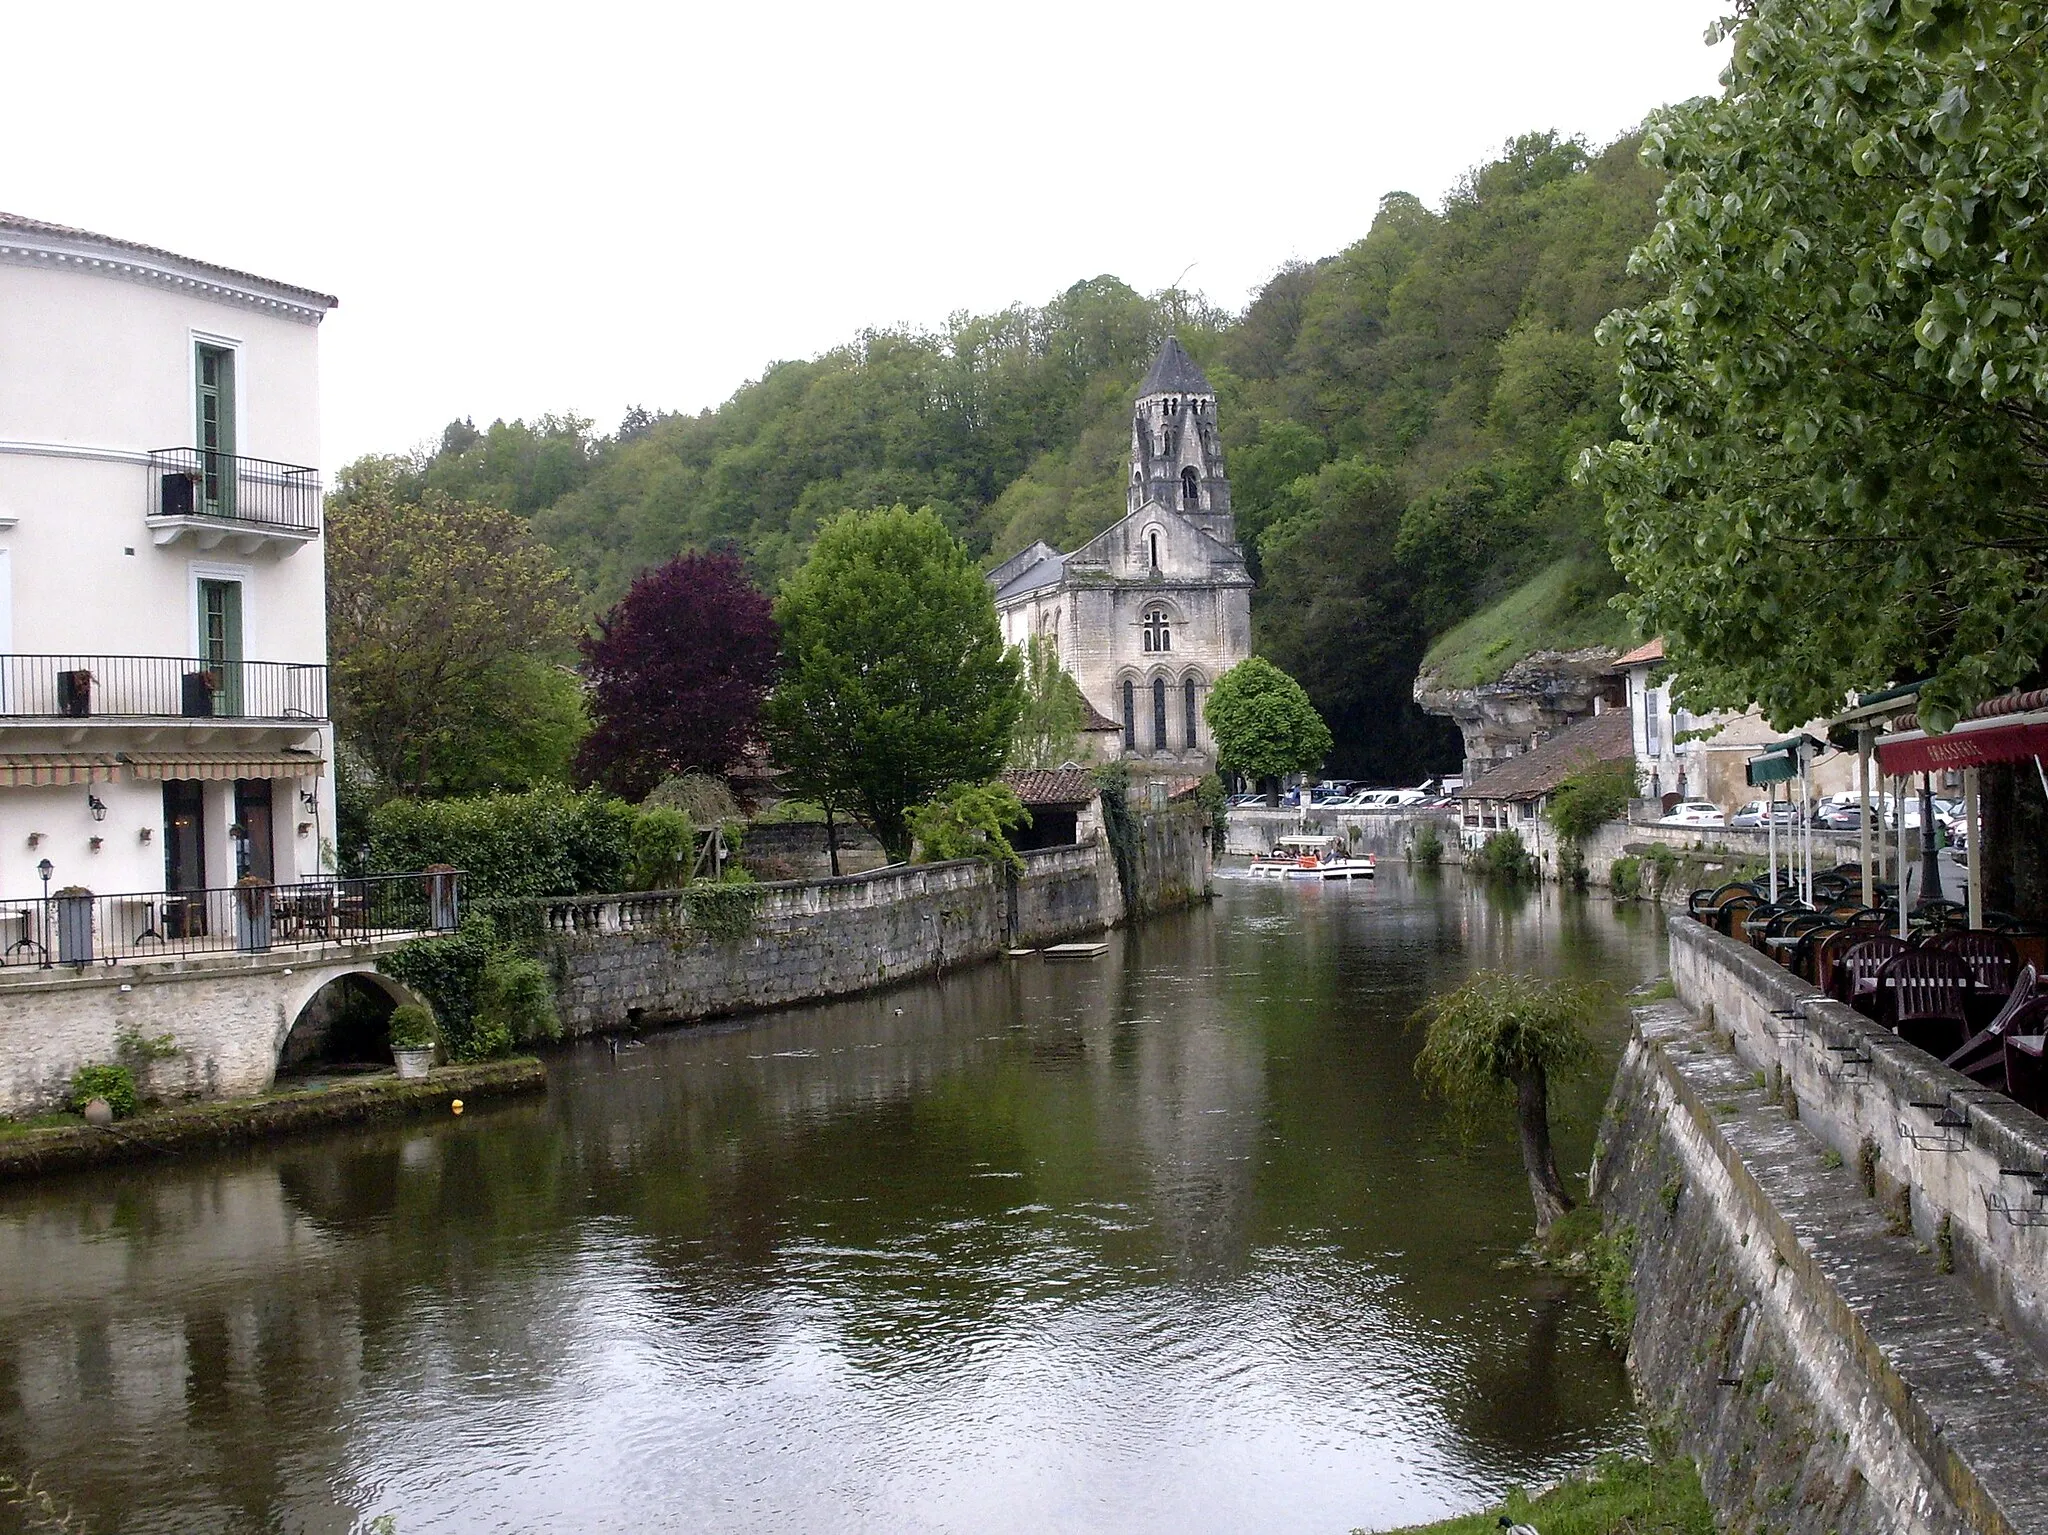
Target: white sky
[(577, 207)]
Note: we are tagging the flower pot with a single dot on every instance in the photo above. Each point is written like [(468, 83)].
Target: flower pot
[(413, 1064), (99, 1113)]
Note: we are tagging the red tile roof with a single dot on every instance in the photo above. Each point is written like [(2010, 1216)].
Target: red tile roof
[(1598, 738), (1059, 786), (1643, 655)]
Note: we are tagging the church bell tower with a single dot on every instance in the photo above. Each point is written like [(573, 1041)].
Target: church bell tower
[(1176, 450)]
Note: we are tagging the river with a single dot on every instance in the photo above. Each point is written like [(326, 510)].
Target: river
[(1162, 1241)]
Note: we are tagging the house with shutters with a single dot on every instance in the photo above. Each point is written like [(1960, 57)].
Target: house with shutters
[(1147, 615), (163, 681)]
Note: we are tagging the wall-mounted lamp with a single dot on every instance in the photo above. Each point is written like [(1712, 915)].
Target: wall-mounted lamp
[(144, 835), (309, 799), (96, 805)]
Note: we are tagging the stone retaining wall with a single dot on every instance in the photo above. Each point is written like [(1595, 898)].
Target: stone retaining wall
[(621, 961), (1807, 1350), (1382, 833)]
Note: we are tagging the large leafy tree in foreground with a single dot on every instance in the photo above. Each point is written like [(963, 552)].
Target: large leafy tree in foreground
[(895, 683), (446, 626), (677, 672), (1263, 722), (1837, 467)]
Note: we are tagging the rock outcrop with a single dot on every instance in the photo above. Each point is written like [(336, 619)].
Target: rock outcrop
[(1541, 693)]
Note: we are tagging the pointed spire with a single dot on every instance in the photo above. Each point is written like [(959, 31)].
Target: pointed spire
[(1174, 372)]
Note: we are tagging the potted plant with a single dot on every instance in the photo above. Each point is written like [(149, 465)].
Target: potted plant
[(252, 914), (74, 925), (413, 1037)]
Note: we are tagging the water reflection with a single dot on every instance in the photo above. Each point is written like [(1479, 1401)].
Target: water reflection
[(1163, 1241)]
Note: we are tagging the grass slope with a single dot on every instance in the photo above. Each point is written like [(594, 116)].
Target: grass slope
[(1562, 607), (1620, 1497)]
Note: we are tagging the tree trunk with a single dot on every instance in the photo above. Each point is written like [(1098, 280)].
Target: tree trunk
[(1532, 1113), (2014, 857), (832, 840)]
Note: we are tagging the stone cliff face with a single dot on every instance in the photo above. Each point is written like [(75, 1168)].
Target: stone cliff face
[(1543, 692)]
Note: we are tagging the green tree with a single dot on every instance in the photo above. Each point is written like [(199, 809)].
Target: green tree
[(1590, 797), (1263, 722), (442, 617), (895, 684), (970, 821), (1837, 467), (1053, 713), (1498, 1040)]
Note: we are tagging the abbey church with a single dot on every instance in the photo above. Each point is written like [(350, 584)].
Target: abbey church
[(1149, 613)]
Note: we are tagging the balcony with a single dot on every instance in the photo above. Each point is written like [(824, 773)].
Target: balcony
[(71, 688), (85, 929), (218, 499)]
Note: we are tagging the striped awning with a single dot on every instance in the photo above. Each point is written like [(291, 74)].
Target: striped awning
[(215, 766), (31, 770)]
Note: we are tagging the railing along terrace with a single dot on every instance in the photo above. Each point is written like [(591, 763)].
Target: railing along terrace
[(203, 482), (159, 687), (86, 929)]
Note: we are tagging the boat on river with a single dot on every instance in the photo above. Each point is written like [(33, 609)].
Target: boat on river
[(1311, 858)]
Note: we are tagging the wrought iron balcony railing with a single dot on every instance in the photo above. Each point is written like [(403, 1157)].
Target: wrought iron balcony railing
[(159, 687), (85, 929), (203, 482)]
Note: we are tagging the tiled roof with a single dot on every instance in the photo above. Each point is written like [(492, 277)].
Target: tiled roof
[(1597, 738), (1182, 788), (29, 226), (1097, 720), (1643, 655), (1059, 786)]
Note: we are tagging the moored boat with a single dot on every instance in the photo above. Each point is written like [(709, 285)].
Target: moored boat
[(1311, 858)]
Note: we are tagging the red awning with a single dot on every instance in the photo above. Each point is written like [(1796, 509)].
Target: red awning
[(2014, 738)]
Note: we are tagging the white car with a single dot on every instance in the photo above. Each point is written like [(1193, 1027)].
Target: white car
[(1693, 812)]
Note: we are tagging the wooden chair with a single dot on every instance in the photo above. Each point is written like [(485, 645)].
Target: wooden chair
[(1921, 996), (2026, 1073), (1729, 916), (1982, 1055), (1993, 962), (1855, 977), (1805, 960)]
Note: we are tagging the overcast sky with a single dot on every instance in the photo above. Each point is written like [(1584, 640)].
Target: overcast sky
[(582, 207)]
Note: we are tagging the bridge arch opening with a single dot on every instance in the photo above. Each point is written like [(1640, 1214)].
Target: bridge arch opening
[(345, 1025)]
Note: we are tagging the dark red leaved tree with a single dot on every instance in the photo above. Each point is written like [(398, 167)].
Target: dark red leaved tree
[(677, 671)]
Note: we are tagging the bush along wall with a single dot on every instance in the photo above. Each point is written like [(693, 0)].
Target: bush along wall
[(547, 841), (488, 997)]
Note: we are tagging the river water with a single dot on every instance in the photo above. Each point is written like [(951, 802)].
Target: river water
[(1162, 1241)]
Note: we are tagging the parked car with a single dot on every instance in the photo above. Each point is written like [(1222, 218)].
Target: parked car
[(1751, 817), (1693, 812)]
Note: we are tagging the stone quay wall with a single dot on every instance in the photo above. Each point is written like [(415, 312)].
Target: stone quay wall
[(623, 961), (1382, 833), (1838, 1300)]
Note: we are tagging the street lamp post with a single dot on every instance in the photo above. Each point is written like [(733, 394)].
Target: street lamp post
[(46, 869)]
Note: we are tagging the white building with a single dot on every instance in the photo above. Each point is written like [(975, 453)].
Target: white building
[(1150, 612), (163, 681)]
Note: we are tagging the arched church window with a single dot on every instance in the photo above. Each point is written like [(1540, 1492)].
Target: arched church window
[(1188, 696), (1130, 716), (1159, 714), (1190, 487), (1157, 631), (1153, 538)]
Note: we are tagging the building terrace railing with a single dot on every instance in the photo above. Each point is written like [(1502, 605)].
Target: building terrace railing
[(73, 687), (203, 482), (85, 929)]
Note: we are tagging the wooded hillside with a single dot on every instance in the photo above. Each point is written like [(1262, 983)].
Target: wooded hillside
[(1401, 420)]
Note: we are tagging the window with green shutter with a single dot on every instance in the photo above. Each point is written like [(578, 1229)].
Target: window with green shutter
[(216, 370)]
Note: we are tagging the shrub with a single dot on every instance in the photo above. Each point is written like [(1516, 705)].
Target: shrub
[(1215, 802), (1571, 866), (1504, 857), (1426, 847), (969, 821), (547, 841), (704, 799), (663, 843), (116, 1084), (412, 1027), (449, 971), (515, 1002), (1625, 879), (1590, 798)]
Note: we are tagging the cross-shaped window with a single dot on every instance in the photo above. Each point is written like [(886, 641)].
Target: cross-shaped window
[(1158, 634)]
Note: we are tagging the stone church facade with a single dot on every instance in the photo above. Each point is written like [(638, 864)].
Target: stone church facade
[(1149, 613)]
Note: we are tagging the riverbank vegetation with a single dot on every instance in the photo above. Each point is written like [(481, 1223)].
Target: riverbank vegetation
[(1622, 1495)]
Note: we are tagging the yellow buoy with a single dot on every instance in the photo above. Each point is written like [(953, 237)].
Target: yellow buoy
[(455, 1107)]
